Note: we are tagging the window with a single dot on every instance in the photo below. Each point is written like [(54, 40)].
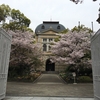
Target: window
[(44, 40), (58, 27), (44, 47), (50, 39), (43, 27)]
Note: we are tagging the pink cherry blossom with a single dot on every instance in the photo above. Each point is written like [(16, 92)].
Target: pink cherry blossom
[(24, 50), (72, 48)]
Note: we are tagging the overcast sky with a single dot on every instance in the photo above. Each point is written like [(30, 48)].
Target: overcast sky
[(64, 11)]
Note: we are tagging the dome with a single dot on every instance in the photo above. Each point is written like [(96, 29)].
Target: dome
[(49, 25)]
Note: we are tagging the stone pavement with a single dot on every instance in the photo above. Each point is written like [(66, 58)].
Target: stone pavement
[(45, 98), (49, 87)]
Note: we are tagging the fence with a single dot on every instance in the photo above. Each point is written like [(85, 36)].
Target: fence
[(95, 50), (5, 45)]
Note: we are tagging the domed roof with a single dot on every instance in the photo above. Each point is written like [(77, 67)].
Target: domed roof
[(49, 25)]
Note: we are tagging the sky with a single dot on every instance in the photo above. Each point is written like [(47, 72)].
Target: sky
[(66, 12)]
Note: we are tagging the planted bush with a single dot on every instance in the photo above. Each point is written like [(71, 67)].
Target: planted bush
[(85, 79)]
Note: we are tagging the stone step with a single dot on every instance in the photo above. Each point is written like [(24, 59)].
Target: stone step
[(50, 72)]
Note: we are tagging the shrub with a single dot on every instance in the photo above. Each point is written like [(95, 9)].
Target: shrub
[(84, 79), (67, 77), (26, 78)]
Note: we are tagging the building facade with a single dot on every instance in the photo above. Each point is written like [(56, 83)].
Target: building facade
[(46, 33)]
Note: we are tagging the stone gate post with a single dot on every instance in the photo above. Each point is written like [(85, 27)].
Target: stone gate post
[(5, 45), (95, 51)]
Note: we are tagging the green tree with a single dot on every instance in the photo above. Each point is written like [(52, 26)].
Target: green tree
[(18, 21), (5, 11), (65, 31), (81, 28)]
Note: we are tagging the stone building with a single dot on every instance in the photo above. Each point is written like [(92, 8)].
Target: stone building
[(46, 33)]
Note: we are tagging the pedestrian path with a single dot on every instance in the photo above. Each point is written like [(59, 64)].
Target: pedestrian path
[(46, 98), (49, 79), (49, 86)]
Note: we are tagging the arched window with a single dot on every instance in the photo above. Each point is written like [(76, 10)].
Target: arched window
[(44, 47), (43, 27), (58, 27)]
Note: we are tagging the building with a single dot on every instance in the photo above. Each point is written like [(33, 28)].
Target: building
[(46, 33)]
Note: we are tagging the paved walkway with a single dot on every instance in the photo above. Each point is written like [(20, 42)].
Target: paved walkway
[(46, 98), (49, 87)]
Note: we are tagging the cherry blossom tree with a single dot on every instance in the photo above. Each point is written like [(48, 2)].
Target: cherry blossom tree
[(25, 54), (73, 49)]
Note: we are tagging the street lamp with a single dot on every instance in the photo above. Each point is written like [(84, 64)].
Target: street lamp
[(74, 75)]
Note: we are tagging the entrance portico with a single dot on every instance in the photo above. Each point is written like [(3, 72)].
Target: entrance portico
[(50, 66)]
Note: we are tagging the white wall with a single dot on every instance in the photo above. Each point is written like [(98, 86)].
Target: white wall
[(95, 50)]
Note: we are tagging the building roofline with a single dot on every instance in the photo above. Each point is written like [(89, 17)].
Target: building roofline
[(49, 25), (54, 22)]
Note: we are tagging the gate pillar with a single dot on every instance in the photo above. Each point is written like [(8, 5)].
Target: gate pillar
[(95, 50), (5, 45)]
